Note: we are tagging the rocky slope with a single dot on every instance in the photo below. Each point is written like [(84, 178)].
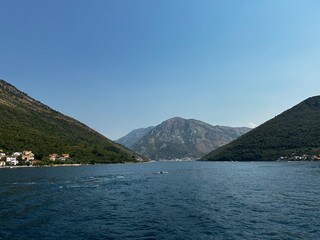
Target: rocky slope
[(134, 136), (179, 138)]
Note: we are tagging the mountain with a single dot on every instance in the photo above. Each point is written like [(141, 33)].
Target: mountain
[(179, 138), (134, 136), (27, 124), (294, 132)]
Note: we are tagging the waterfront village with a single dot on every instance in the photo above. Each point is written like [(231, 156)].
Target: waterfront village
[(28, 158), (304, 157)]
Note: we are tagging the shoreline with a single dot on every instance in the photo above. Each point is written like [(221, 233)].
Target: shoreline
[(53, 165), (67, 165)]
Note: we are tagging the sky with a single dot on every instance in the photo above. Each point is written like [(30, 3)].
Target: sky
[(118, 65)]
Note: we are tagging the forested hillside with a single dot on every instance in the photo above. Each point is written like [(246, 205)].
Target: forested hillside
[(27, 124), (295, 132)]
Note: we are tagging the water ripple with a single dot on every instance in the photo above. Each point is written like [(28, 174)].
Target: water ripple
[(195, 200)]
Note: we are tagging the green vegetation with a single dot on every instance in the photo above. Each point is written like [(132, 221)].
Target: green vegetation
[(294, 132), (26, 124)]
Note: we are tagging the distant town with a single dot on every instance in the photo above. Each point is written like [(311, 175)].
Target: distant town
[(28, 158), (304, 157)]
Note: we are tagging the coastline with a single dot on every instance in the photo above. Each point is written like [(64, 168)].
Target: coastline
[(67, 165), (53, 165)]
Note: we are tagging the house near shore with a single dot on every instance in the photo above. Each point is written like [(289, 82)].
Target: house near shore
[(62, 157), (34, 162), (27, 156), (12, 160), (17, 154), (53, 157)]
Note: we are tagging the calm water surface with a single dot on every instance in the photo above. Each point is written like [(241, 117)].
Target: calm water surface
[(193, 200)]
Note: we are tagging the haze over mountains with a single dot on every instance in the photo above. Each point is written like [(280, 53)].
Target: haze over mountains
[(134, 136), (295, 132), (27, 124), (179, 138)]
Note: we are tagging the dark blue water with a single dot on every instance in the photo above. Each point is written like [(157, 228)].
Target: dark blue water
[(194, 200)]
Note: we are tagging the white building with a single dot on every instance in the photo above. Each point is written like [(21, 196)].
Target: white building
[(17, 154), (12, 160), (27, 156)]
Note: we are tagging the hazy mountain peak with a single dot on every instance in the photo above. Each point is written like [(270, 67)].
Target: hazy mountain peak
[(134, 136), (184, 138)]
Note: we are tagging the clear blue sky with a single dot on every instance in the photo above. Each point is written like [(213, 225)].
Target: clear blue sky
[(117, 65)]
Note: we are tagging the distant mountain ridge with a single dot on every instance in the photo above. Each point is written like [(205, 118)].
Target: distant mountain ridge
[(179, 138), (134, 136), (27, 124), (294, 132)]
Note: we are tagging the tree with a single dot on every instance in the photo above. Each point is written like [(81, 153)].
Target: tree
[(38, 156)]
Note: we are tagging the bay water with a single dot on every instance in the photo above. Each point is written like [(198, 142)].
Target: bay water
[(162, 200)]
